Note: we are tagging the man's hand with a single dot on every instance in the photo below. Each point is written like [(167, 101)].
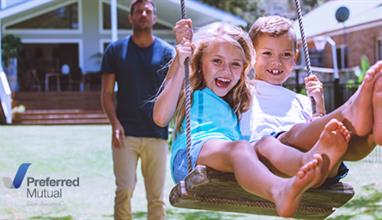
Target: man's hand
[(118, 135)]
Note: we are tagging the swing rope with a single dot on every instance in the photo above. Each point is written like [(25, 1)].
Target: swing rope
[(187, 89), (305, 47)]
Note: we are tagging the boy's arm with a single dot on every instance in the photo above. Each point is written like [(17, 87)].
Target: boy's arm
[(315, 89)]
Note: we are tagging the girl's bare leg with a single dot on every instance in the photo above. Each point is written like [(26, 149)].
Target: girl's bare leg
[(239, 157)]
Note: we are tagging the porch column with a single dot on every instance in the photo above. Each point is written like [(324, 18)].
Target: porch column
[(1, 45), (114, 20)]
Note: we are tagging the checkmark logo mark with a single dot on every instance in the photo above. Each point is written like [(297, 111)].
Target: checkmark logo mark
[(19, 177)]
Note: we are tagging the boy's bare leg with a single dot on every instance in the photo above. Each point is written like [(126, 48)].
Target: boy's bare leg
[(286, 160), (240, 158), (281, 159), (356, 113), (377, 109), (359, 147)]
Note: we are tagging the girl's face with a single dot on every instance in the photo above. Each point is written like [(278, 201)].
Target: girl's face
[(222, 66), (275, 58)]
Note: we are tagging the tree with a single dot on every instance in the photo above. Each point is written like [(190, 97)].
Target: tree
[(11, 46), (307, 5), (250, 10), (247, 9)]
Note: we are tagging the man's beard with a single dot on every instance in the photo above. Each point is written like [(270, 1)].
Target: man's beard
[(142, 29)]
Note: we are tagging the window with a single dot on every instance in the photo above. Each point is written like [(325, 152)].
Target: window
[(123, 19), (342, 56), (62, 18)]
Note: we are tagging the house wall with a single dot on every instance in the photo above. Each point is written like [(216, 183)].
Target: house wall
[(90, 37), (361, 42)]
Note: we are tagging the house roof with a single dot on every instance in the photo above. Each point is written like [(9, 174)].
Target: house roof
[(21, 7), (168, 11), (322, 20)]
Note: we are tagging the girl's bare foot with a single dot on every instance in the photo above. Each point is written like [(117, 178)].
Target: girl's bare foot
[(287, 194)]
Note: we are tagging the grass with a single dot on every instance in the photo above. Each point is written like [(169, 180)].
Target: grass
[(84, 152)]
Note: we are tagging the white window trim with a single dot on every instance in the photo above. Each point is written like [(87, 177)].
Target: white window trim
[(342, 48), (59, 41), (124, 31), (47, 31), (101, 43)]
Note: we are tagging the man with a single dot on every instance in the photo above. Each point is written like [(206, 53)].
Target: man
[(138, 64)]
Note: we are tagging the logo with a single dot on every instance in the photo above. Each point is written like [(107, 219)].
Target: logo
[(47, 187), (18, 180)]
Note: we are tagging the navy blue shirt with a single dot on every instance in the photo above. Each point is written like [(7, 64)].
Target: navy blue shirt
[(139, 74)]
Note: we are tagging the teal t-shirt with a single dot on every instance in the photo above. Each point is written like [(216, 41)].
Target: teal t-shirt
[(211, 118)]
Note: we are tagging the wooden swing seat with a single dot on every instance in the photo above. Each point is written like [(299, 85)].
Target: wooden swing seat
[(208, 189)]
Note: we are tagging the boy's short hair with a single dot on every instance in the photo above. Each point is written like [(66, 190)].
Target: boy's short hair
[(134, 2), (274, 26)]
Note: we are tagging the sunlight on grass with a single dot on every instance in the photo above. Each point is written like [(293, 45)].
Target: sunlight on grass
[(84, 151)]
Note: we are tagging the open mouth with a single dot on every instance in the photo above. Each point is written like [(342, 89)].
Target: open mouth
[(275, 72), (222, 82)]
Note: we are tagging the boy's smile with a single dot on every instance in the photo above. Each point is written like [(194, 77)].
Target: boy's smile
[(275, 58), (222, 66)]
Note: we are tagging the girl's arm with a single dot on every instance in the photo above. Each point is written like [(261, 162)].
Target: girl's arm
[(315, 89), (165, 104)]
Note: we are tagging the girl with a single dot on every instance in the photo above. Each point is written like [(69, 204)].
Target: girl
[(220, 59)]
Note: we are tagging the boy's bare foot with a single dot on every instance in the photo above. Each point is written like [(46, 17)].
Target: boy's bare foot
[(377, 111), (331, 145), (358, 113), (287, 194)]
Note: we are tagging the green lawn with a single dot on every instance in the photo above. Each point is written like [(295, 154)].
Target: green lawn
[(84, 151)]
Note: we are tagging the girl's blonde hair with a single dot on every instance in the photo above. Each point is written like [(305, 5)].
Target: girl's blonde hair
[(239, 96)]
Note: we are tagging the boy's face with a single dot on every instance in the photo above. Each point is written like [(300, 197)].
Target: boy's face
[(275, 58)]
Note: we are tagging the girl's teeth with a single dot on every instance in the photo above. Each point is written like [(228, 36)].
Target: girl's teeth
[(223, 80)]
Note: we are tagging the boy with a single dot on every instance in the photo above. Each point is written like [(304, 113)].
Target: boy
[(287, 115)]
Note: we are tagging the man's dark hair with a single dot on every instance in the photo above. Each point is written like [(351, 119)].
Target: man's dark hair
[(134, 2)]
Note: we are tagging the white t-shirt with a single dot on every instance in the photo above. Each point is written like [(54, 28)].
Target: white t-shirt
[(273, 109)]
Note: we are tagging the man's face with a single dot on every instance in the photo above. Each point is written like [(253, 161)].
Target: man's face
[(143, 16), (275, 58)]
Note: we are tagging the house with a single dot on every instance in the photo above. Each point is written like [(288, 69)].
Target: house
[(76, 32), (62, 40), (360, 35)]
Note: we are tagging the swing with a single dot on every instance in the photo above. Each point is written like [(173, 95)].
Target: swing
[(209, 189)]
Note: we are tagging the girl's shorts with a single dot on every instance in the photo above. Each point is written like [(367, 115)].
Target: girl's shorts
[(180, 164)]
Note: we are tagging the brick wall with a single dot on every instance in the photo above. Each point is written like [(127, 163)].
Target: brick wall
[(362, 42)]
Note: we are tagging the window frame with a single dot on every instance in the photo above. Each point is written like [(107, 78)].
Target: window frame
[(125, 31), (38, 31)]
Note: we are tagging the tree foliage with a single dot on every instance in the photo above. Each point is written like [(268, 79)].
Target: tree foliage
[(250, 10)]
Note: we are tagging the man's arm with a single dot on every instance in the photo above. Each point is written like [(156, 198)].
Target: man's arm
[(108, 104)]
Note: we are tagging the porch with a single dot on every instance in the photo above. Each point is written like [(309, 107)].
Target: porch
[(59, 108)]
